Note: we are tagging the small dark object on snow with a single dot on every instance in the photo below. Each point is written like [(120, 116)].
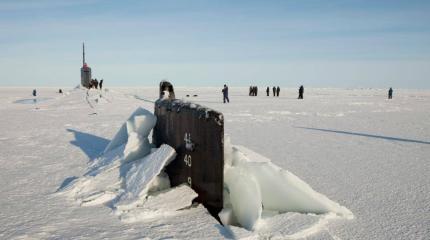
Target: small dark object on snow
[(301, 91), (60, 91), (225, 93), (188, 95), (34, 93), (195, 95), (390, 93)]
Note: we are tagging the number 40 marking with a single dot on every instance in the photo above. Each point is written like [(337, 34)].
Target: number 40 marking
[(187, 160)]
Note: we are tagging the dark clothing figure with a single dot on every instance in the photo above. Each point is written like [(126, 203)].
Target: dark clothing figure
[(390, 93), (34, 93), (225, 93), (268, 91), (101, 84), (96, 83), (253, 91), (60, 91), (301, 91), (274, 91), (166, 86), (277, 91)]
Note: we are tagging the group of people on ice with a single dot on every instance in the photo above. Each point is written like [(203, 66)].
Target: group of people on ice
[(94, 83), (253, 91), (276, 91)]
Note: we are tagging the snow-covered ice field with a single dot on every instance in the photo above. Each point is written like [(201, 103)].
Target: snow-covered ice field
[(359, 149)]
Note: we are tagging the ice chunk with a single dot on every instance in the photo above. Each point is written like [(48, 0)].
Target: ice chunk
[(253, 181), (227, 216), (160, 183), (162, 205), (228, 151), (141, 174), (96, 189), (141, 121), (285, 192), (249, 154), (137, 147), (245, 196)]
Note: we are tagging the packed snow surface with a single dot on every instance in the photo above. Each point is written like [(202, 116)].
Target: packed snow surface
[(357, 148)]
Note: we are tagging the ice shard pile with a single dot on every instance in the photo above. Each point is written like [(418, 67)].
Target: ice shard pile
[(128, 170), (254, 184)]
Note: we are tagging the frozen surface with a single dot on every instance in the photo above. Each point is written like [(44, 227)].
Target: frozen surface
[(354, 146)]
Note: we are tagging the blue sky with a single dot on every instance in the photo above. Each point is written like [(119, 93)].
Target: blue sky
[(347, 43)]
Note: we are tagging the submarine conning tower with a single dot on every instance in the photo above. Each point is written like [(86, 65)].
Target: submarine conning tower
[(197, 135), (85, 70)]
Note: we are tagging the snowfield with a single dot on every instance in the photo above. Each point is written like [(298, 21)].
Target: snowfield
[(352, 146)]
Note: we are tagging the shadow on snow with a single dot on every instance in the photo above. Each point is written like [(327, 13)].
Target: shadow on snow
[(66, 183), (90, 144), (366, 135)]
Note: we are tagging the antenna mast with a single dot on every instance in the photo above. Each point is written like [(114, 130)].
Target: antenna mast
[(83, 54)]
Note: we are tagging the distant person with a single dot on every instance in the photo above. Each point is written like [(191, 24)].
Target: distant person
[(268, 91), (34, 93), (256, 91), (60, 91), (96, 83), (390, 93), (274, 91), (101, 84), (225, 93), (250, 90), (301, 91), (277, 91)]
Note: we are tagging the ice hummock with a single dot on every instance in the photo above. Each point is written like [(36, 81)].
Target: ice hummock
[(254, 184), (129, 168)]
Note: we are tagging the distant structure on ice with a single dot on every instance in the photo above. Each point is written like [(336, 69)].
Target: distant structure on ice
[(85, 70)]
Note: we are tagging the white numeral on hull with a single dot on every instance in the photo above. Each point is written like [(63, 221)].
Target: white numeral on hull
[(187, 160)]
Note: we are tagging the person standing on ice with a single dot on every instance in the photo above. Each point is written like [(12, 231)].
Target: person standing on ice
[(390, 93), (101, 84), (225, 93), (274, 91), (267, 91), (277, 91), (301, 91), (34, 93)]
